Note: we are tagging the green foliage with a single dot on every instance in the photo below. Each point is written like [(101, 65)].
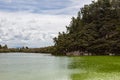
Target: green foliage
[(0, 46), (5, 49), (95, 30)]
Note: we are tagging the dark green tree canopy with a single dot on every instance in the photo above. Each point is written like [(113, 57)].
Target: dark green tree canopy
[(96, 30)]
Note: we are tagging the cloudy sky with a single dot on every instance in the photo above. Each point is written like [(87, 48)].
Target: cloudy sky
[(34, 23)]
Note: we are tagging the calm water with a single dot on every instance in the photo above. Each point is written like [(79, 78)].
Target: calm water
[(21, 66), (24, 66)]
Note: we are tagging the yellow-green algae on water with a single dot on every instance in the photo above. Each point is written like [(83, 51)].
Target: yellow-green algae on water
[(31, 66), (96, 68)]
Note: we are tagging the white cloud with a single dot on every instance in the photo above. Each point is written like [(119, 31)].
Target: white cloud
[(69, 7), (72, 9), (20, 25), (30, 29)]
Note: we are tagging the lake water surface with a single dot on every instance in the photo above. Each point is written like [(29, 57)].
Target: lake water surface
[(31, 66)]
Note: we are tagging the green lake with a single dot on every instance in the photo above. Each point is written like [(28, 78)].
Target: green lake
[(31, 66)]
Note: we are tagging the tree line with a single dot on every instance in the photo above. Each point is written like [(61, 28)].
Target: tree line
[(25, 49), (95, 30), (3, 47)]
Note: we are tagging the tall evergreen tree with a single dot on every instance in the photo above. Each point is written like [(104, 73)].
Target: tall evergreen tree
[(95, 30)]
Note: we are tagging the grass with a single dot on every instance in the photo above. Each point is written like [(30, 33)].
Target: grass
[(95, 68)]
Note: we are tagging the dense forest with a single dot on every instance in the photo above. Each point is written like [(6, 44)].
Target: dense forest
[(95, 30)]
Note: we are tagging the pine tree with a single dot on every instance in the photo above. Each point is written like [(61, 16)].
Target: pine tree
[(96, 30)]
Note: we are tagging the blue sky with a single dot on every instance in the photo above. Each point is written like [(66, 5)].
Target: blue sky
[(34, 23), (33, 5), (43, 6)]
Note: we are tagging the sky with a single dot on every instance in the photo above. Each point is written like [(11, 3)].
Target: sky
[(34, 23)]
